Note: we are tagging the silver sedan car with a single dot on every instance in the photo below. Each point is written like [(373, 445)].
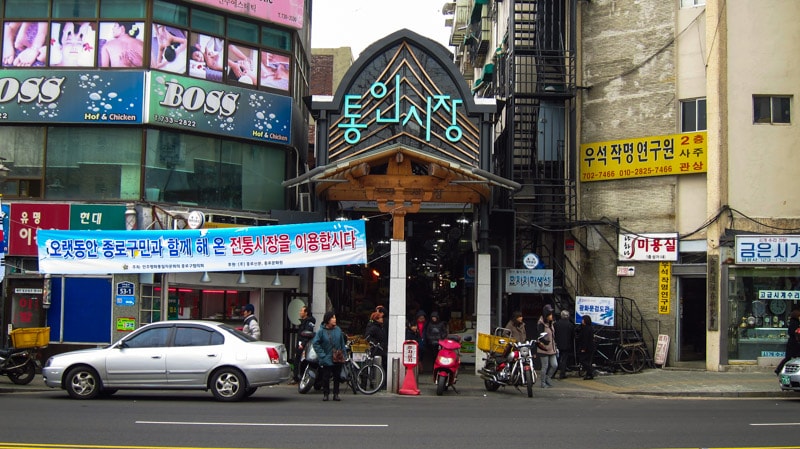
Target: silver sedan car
[(172, 355), (789, 377)]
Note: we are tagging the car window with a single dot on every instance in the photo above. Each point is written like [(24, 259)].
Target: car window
[(236, 333), (193, 336), (151, 338)]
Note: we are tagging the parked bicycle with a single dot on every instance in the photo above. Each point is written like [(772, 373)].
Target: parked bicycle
[(365, 375), (610, 354)]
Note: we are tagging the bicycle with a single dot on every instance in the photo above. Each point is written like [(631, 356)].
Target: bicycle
[(367, 376), (611, 354)]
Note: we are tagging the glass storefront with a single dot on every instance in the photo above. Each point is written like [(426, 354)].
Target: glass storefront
[(759, 302), (193, 304)]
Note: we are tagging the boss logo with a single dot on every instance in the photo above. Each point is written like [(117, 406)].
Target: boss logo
[(195, 98), (40, 90)]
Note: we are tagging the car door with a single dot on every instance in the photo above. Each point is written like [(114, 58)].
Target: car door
[(139, 361), (195, 351)]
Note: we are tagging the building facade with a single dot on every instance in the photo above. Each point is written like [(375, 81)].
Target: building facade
[(672, 122), (148, 115)]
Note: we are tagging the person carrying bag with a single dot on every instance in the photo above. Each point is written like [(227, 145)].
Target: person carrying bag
[(329, 343)]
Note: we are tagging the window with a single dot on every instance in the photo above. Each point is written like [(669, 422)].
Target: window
[(167, 12), (151, 338), (692, 3), (74, 9), (209, 22), (276, 39), (73, 153), (122, 8), (243, 31), (771, 109), (27, 9), (193, 336), (693, 115), (150, 305), (24, 156)]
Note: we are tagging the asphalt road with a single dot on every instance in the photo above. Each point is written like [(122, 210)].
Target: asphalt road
[(278, 417)]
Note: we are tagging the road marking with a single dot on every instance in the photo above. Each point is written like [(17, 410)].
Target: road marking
[(193, 423), (776, 424)]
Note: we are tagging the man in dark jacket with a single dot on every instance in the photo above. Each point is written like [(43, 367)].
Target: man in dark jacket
[(585, 344), (305, 332), (565, 342)]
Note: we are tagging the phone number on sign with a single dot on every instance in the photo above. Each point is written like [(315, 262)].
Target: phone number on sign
[(626, 173), (174, 121)]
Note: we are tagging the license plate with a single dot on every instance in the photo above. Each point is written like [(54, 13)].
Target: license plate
[(785, 380)]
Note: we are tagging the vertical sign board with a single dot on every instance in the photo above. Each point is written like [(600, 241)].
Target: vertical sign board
[(662, 348), (664, 278), (27, 219)]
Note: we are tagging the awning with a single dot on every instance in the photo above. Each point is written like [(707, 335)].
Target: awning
[(477, 85), (477, 11), (488, 72)]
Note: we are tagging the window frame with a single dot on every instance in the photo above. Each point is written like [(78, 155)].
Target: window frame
[(773, 102), (700, 118)]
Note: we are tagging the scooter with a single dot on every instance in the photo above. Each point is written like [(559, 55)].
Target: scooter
[(447, 363), (18, 364), (309, 366)]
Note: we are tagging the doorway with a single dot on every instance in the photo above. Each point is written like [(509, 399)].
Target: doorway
[(692, 319)]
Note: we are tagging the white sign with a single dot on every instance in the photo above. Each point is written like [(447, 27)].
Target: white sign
[(768, 249), (648, 247), (662, 348), (529, 281), (530, 261), (600, 309)]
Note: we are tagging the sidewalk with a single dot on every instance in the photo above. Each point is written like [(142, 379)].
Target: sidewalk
[(658, 382)]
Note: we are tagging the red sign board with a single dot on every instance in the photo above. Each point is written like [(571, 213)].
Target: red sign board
[(27, 218), (410, 353)]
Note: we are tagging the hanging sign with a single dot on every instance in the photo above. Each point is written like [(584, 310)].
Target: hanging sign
[(191, 250)]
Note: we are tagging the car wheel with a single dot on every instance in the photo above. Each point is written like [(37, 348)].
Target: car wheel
[(228, 384), (82, 382)]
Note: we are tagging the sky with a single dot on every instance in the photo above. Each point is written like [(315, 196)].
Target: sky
[(359, 23)]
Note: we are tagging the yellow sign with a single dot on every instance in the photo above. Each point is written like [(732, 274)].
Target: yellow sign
[(664, 278), (673, 154)]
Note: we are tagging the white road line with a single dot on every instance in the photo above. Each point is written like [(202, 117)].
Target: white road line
[(776, 424), (191, 423)]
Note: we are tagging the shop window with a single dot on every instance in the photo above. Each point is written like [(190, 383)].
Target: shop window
[(80, 165), (170, 13), (771, 109), (74, 9), (27, 9), (209, 172), (759, 303), (149, 305), (23, 154), (123, 8)]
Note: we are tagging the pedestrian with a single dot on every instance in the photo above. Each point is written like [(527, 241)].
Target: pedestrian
[(251, 326), (517, 327), (565, 342), (792, 340), (376, 334), (422, 323), (547, 352), (585, 344), (435, 330), (305, 332), (329, 344)]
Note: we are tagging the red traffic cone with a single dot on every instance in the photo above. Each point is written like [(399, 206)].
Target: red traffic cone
[(409, 383)]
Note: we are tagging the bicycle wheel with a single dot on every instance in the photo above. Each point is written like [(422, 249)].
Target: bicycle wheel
[(351, 376), (631, 359), (370, 378)]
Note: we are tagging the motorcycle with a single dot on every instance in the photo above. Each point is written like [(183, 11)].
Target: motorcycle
[(514, 367), (447, 363), (18, 364), (309, 366)]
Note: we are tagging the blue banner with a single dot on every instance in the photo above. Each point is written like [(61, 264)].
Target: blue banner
[(222, 249)]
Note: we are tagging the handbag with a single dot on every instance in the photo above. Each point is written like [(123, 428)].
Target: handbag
[(338, 354)]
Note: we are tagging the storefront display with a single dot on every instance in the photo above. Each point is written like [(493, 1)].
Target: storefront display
[(759, 302)]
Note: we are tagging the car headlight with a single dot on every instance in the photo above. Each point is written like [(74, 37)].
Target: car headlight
[(48, 362)]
